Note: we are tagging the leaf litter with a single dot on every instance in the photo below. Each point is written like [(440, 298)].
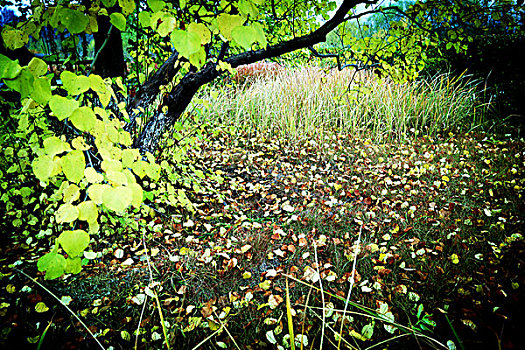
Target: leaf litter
[(441, 224)]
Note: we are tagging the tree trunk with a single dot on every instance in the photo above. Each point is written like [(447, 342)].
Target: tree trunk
[(181, 95)]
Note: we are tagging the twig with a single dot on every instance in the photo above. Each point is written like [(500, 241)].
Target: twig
[(140, 321), (351, 286), (322, 296), (226, 329), (60, 301), (154, 291), (207, 338)]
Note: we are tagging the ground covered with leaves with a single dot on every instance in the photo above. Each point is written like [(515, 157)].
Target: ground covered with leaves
[(419, 245)]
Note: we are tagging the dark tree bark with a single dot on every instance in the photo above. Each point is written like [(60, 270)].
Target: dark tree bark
[(181, 95), (110, 60)]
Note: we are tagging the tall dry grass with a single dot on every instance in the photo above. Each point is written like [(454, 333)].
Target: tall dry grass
[(313, 103)]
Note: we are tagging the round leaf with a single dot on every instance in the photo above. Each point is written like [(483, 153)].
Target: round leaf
[(75, 84), (53, 264), (95, 192), (128, 6), (73, 165), (66, 213), (97, 83), (41, 90), (244, 36), (73, 265), (37, 67), (88, 211), (41, 307), (118, 20), (62, 107), (201, 30), (227, 22), (74, 242), (74, 21), (23, 83), (9, 69), (117, 198), (43, 167), (185, 43), (83, 118), (71, 193), (93, 176)]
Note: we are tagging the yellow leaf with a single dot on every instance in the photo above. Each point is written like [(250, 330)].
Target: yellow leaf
[(66, 213), (265, 285), (41, 307)]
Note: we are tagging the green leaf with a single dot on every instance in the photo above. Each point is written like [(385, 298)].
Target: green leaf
[(88, 211), (227, 22), (166, 26), (92, 175), (153, 171), (74, 84), (97, 83), (260, 37), (41, 90), (104, 97), (41, 307), (116, 178), (53, 264), (43, 167), (62, 107), (117, 198), (75, 21), (156, 5), (124, 138), (145, 19), (199, 58), (9, 69), (129, 156), (95, 192), (201, 30), (137, 195), (37, 67), (74, 242), (185, 43), (71, 193), (23, 83), (66, 213), (73, 265), (83, 118), (14, 38), (368, 331), (139, 168), (248, 8), (244, 36), (53, 146), (128, 6), (118, 20), (73, 165), (109, 3)]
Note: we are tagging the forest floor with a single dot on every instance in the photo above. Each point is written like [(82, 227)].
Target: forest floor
[(436, 225)]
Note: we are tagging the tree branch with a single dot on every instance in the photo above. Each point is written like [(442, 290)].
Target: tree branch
[(181, 95)]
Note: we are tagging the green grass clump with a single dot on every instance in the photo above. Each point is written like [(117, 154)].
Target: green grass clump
[(308, 103)]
